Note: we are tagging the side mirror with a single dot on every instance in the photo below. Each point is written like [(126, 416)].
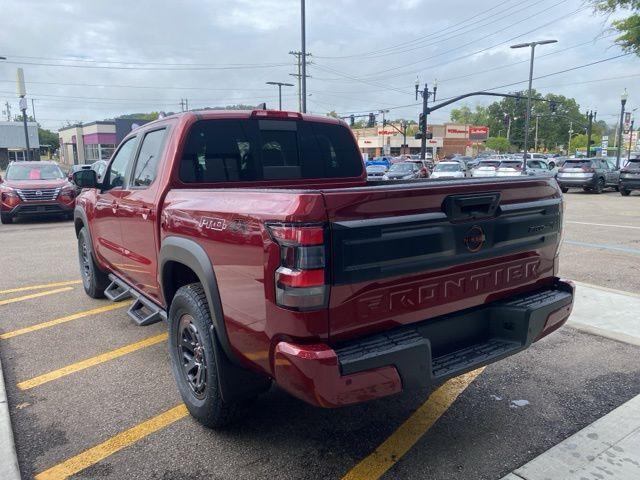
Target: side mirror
[(86, 179)]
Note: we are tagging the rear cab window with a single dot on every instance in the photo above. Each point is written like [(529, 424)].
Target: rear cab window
[(248, 150)]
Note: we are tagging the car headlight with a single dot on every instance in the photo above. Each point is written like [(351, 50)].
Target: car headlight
[(68, 191), (385, 177)]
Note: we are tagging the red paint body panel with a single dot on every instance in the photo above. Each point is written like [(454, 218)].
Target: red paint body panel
[(228, 221)]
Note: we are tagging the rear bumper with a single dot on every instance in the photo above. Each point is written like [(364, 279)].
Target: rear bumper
[(630, 183), (420, 355), (577, 182)]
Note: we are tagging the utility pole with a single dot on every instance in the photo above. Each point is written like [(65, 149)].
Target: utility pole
[(22, 93), (33, 109), (630, 139), (423, 117), (384, 137), (509, 127), (298, 57), (182, 104), (570, 134), (303, 54), (536, 140), (591, 115), (623, 102), (8, 106)]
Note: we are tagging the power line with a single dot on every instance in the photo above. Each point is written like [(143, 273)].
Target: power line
[(111, 67), (168, 87)]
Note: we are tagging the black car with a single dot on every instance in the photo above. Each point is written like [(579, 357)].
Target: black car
[(590, 174), (630, 177), (403, 171)]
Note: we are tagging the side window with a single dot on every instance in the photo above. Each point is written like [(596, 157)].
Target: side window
[(120, 164), (148, 158), (604, 165)]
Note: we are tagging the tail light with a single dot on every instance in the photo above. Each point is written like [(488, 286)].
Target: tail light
[(518, 166), (301, 280), (588, 169)]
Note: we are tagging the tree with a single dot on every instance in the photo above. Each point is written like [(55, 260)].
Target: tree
[(499, 144), (332, 114), (47, 137), (580, 141), (629, 27), (479, 116)]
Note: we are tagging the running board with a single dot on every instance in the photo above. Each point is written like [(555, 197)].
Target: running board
[(142, 311)]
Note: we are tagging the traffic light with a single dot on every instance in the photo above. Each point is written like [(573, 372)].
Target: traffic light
[(553, 106), (352, 120), (422, 123), (384, 122), (372, 120)]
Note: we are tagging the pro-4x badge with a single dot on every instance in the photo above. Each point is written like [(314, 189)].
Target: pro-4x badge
[(218, 224)]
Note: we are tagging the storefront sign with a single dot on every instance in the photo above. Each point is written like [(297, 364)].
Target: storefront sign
[(478, 133)]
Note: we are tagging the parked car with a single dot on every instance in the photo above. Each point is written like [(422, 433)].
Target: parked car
[(630, 177), (486, 168), (509, 168), (449, 170), (376, 172), (100, 167), (35, 189), (590, 174), (338, 291), (386, 161), (403, 171)]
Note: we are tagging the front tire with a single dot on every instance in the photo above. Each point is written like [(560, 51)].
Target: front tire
[(564, 189), (599, 186), (193, 359), (94, 280), (6, 218), (624, 192)]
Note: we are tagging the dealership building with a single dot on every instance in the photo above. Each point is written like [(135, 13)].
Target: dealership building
[(447, 139), (90, 142)]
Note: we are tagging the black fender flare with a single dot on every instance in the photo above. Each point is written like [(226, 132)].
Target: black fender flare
[(191, 254), (80, 214), (236, 382)]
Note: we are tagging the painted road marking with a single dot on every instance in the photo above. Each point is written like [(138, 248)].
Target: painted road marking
[(68, 318), (91, 362), (614, 248), (34, 295), (406, 436), (40, 287), (604, 225), (114, 444)]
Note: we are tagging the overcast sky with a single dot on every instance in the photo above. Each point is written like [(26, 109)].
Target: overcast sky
[(366, 55)]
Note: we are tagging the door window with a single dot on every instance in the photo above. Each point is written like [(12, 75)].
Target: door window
[(148, 158), (120, 165)]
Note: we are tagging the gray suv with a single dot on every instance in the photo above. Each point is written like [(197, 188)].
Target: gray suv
[(590, 174)]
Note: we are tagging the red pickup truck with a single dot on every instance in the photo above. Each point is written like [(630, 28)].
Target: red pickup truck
[(258, 238)]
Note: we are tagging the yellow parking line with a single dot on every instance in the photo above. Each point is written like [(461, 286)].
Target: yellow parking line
[(406, 436), (40, 287), (68, 318), (91, 362), (34, 295), (114, 444)]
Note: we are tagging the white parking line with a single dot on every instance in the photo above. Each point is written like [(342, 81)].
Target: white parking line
[(605, 225)]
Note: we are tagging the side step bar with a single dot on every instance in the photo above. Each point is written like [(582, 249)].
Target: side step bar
[(142, 311)]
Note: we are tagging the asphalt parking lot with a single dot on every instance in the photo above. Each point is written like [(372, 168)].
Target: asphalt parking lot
[(91, 395)]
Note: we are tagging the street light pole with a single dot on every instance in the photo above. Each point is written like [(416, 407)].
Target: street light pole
[(423, 117), (570, 134), (280, 85), (623, 102), (536, 140), (527, 118), (590, 118), (630, 139)]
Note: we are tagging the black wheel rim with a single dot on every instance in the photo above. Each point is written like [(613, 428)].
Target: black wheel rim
[(191, 356), (85, 262)]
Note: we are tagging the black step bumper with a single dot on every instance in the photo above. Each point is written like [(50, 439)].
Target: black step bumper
[(430, 352)]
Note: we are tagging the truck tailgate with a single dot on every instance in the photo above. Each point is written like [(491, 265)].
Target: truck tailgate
[(408, 252)]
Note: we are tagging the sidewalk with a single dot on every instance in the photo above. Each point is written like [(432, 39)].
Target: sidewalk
[(608, 448), (8, 460), (608, 313)]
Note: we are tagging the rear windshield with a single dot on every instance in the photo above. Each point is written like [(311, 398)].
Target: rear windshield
[(401, 167), (633, 165), (577, 164), (34, 172), (489, 163), (447, 167), (253, 150), (511, 164)]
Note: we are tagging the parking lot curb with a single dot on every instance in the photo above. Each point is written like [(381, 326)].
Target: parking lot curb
[(8, 460), (609, 447)]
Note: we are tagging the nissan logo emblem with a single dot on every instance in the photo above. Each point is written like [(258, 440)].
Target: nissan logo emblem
[(474, 239), (38, 193)]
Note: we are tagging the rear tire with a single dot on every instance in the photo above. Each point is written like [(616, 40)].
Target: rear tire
[(6, 218), (564, 189), (599, 186), (94, 280), (193, 358), (624, 192)]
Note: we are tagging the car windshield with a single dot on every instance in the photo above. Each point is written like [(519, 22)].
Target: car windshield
[(400, 167), (577, 164), (34, 172), (376, 168), (447, 167), (510, 164), (489, 163)]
